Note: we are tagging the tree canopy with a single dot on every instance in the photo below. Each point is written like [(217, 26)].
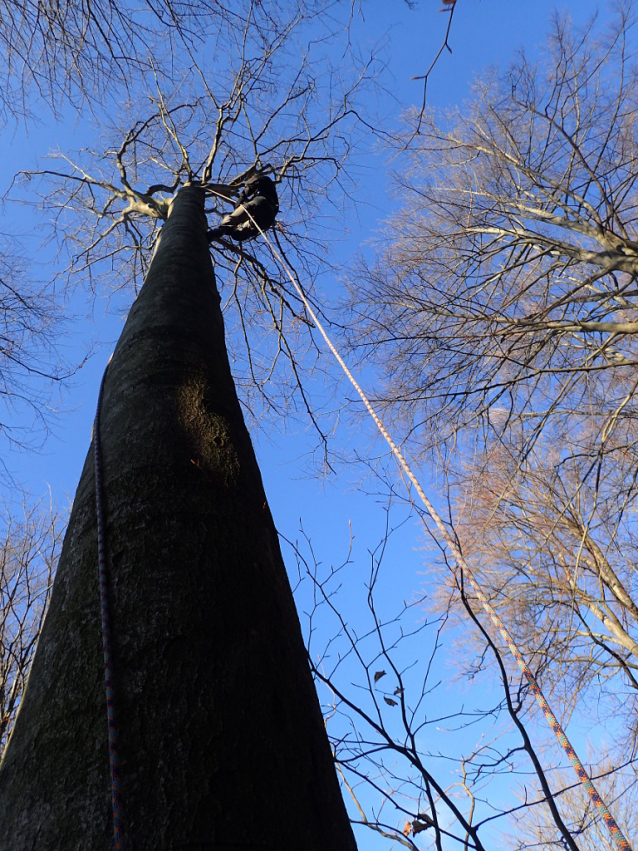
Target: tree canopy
[(502, 310)]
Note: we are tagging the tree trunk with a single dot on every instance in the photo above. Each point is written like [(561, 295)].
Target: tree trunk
[(221, 737)]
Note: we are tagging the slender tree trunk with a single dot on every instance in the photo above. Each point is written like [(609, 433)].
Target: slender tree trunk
[(222, 740)]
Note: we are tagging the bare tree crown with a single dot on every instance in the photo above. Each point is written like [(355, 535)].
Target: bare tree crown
[(503, 311)]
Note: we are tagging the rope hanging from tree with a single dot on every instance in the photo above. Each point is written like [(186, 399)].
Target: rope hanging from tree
[(114, 759), (619, 839)]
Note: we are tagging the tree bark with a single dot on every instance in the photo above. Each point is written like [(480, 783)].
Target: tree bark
[(221, 736)]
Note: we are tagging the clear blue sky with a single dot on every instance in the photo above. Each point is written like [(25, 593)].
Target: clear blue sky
[(485, 32)]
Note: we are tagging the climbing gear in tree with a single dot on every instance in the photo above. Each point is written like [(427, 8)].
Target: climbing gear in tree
[(255, 211)]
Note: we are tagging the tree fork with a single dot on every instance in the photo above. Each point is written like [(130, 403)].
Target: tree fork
[(222, 742)]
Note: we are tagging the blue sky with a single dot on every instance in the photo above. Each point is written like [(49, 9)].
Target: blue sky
[(484, 34), (349, 502)]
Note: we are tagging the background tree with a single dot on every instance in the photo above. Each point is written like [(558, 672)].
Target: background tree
[(503, 311), (591, 834), (425, 764), (64, 52), (28, 557), (30, 366)]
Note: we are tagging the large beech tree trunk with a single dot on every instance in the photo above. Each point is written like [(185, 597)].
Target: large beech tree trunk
[(222, 740)]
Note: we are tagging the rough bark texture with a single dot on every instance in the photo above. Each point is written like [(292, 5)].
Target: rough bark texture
[(222, 739)]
